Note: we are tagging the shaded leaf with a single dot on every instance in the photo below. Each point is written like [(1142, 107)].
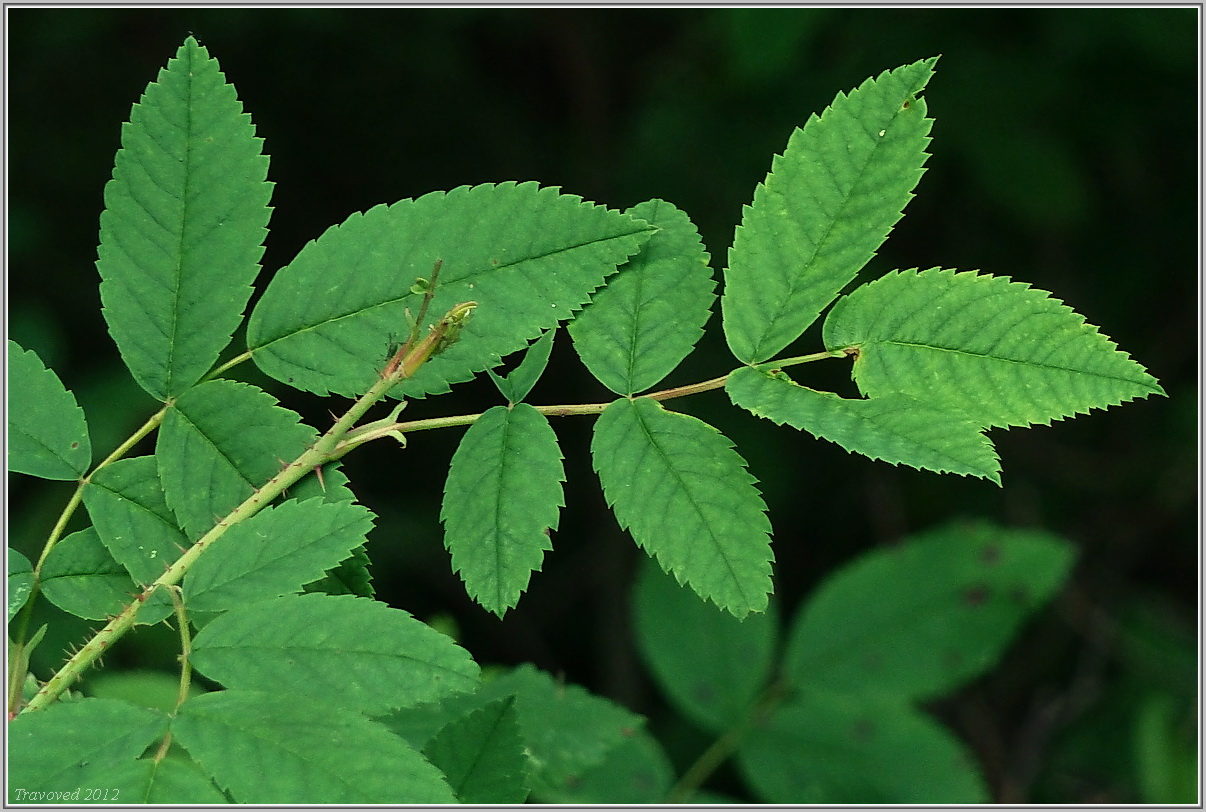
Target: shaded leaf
[(501, 502), (649, 316), (336, 650), (636, 771), (350, 577), (47, 434), (271, 748), (822, 748), (529, 256), (827, 205), (1002, 352), (157, 690), (682, 491), (919, 619), (482, 755), (893, 428), (567, 730), (710, 665), (185, 218)]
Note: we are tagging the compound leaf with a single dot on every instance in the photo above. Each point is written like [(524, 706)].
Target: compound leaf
[(275, 552), (1002, 352), (827, 205), (529, 256), (648, 318), (336, 650), (125, 501), (482, 755), (80, 576), (275, 748), (501, 502), (185, 218), (919, 619), (47, 434), (71, 745), (685, 495), (218, 443), (831, 748), (894, 428), (516, 386)]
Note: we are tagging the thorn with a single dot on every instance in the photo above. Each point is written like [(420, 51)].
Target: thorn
[(318, 473)]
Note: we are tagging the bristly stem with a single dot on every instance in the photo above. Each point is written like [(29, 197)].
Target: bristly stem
[(322, 452)]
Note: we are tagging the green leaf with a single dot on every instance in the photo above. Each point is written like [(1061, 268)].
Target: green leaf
[(218, 443), (529, 256), (711, 665), (636, 771), (343, 651), (185, 218), (350, 577), (827, 205), (918, 620), (126, 504), (501, 502), (72, 745), (828, 749), (1003, 353), (20, 582), (649, 316), (161, 782), (482, 755), (271, 748), (516, 386), (275, 552), (1165, 750), (80, 576), (47, 434), (894, 428), (682, 491), (567, 730)]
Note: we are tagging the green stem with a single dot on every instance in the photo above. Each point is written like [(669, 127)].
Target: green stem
[(322, 452), (591, 408), (186, 669), (726, 744), (17, 680)]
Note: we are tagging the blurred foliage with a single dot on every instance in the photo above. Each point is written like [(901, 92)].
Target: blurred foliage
[(1064, 155)]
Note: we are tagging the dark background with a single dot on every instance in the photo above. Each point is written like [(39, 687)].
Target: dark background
[(1065, 155)]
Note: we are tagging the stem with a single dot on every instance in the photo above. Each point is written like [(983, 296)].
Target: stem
[(726, 744), (323, 451), (186, 670), (16, 680), (590, 408)]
